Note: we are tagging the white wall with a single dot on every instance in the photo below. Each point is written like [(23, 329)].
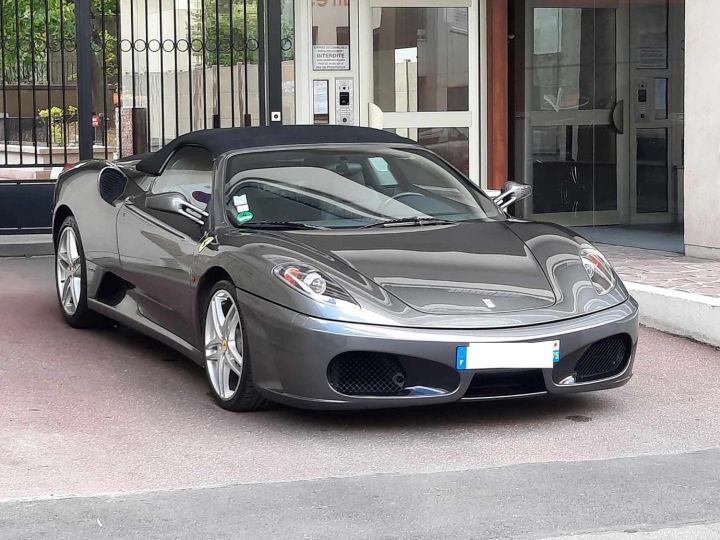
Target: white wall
[(702, 129)]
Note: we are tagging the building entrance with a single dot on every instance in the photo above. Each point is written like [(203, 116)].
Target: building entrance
[(408, 67), (601, 138)]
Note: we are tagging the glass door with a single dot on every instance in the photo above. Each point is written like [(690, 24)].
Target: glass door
[(576, 91), (418, 73)]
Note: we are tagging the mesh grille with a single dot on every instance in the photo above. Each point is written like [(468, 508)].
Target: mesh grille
[(604, 358), (366, 374)]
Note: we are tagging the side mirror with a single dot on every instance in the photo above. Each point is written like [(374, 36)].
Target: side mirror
[(176, 203), (512, 192)]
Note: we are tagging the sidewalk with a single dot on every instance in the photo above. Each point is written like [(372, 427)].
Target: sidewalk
[(677, 294)]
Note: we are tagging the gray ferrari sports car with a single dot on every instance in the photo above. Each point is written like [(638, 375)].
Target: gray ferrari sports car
[(337, 267)]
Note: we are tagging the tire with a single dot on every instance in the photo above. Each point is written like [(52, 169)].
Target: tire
[(70, 265), (227, 362)]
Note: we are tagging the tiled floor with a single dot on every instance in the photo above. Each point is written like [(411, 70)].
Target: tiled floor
[(665, 269)]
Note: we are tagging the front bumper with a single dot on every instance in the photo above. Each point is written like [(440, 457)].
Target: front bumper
[(290, 353)]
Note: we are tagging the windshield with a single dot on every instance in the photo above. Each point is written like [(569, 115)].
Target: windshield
[(349, 187)]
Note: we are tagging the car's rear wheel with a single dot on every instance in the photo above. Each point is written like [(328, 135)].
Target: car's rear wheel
[(227, 363), (71, 277)]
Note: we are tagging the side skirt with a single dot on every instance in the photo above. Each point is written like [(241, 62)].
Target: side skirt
[(126, 313)]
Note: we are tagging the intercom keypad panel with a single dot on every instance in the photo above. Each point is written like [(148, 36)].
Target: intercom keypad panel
[(344, 102)]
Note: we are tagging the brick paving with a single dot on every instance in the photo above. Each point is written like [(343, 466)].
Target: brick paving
[(665, 269)]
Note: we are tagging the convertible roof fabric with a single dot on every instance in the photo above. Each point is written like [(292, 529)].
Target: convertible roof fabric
[(221, 140)]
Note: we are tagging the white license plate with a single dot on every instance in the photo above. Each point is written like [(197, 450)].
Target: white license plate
[(538, 354)]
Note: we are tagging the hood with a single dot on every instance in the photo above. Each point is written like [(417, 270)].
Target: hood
[(459, 269)]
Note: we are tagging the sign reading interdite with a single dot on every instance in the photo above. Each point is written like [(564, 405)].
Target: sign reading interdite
[(331, 57)]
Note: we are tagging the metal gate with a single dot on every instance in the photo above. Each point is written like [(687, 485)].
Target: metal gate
[(111, 78)]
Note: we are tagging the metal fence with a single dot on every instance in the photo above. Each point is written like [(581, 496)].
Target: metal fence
[(109, 78)]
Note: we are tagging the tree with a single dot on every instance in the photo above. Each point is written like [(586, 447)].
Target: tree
[(221, 24), (36, 32)]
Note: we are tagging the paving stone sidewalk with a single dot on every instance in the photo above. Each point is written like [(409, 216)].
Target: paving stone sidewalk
[(665, 269)]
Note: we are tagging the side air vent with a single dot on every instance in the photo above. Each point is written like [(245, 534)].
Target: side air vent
[(111, 184), (604, 358)]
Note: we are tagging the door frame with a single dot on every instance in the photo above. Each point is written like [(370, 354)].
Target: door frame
[(361, 71), (622, 86), (464, 119), (674, 73)]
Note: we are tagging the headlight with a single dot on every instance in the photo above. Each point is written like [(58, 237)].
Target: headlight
[(598, 270), (312, 283)]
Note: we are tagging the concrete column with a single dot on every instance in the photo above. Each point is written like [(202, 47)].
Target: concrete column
[(702, 129)]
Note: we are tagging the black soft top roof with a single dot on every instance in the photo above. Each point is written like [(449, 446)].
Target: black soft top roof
[(219, 141)]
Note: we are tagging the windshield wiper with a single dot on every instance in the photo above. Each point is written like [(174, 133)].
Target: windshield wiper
[(415, 220), (287, 225)]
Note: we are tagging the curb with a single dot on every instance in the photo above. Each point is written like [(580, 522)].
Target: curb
[(676, 312), (26, 245)]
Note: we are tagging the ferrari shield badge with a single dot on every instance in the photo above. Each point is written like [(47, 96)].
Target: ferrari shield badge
[(205, 243)]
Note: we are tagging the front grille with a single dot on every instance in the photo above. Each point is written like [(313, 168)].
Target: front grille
[(366, 374), (603, 359), (506, 383)]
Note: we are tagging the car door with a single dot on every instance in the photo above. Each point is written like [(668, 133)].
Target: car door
[(157, 248)]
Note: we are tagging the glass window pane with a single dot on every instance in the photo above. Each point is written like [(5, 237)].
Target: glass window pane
[(331, 35), (331, 22), (652, 170), (452, 144), (650, 34), (574, 169), (573, 61), (420, 59)]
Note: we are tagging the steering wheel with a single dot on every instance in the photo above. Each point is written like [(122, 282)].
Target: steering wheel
[(399, 196)]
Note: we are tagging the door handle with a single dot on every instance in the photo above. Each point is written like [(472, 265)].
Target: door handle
[(617, 116)]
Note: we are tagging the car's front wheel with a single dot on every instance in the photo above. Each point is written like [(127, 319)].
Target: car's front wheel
[(227, 363), (71, 277)]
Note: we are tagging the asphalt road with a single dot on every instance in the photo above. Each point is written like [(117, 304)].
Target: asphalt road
[(108, 434)]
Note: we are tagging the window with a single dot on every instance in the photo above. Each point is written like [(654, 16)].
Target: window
[(349, 186), (190, 172)]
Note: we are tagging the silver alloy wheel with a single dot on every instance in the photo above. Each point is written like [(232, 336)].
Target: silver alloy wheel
[(68, 271), (223, 344)]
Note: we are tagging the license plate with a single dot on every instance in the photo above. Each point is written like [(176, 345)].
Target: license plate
[(538, 354)]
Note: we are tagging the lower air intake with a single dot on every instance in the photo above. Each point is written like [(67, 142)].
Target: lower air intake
[(603, 359), (366, 374)]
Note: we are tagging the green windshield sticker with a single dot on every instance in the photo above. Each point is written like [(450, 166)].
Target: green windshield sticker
[(242, 217)]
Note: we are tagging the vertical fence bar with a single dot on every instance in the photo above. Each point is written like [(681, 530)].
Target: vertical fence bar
[(175, 53), (18, 52), (262, 58), (83, 49), (63, 76), (3, 44), (147, 78), (217, 113), (190, 67), (132, 69), (118, 87), (248, 119), (33, 79), (162, 74), (204, 74), (49, 126), (103, 45), (231, 41)]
